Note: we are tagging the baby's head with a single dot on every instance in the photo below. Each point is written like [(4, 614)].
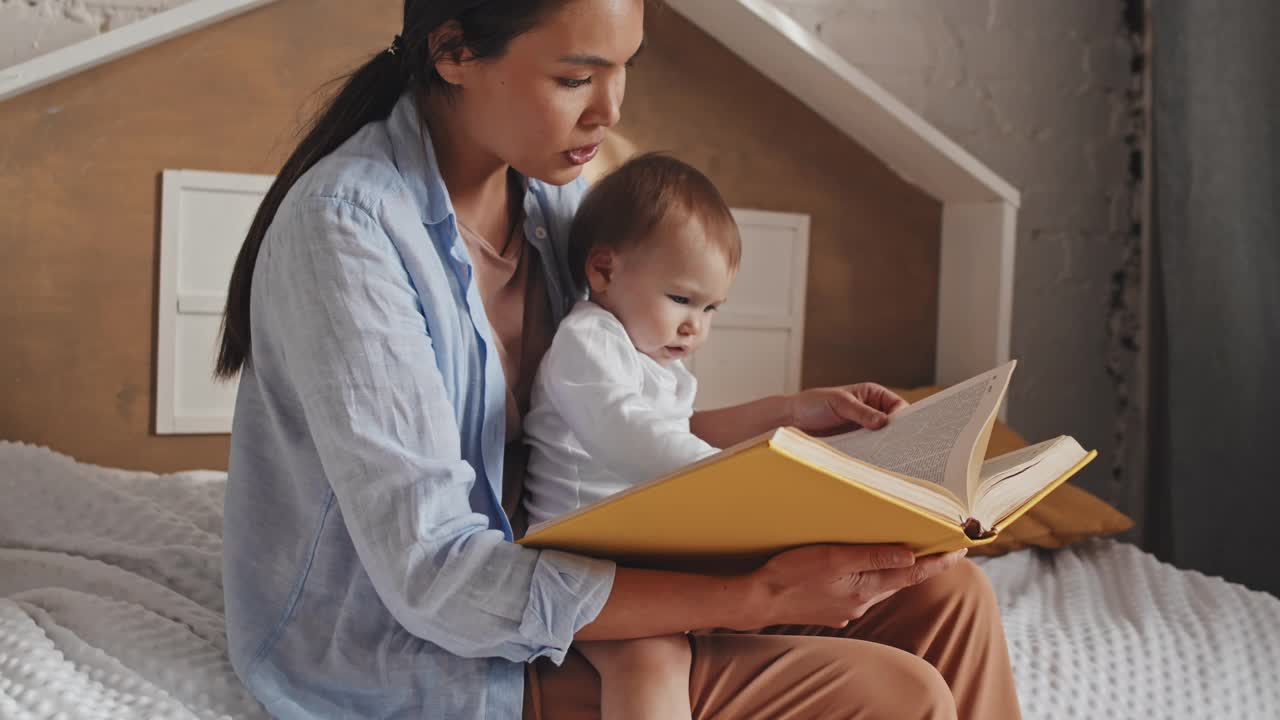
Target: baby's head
[(656, 246)]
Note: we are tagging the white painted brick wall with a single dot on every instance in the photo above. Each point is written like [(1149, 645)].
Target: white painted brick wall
[(29, 28), (1036, 90)]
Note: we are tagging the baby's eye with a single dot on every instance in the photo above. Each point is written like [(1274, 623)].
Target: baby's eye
[(679, 299), (711, 308), (574, 82)]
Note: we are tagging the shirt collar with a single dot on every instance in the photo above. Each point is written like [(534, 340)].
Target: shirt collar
[(415, 158)]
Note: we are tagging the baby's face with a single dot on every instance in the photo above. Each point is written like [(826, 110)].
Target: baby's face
[(666, 288)]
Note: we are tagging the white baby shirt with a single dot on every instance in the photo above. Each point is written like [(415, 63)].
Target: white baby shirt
[(603, 416)]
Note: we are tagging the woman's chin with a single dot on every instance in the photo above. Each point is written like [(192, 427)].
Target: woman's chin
[(564, 175), (556, 174)]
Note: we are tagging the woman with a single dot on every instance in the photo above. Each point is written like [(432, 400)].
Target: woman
[(386, 314)]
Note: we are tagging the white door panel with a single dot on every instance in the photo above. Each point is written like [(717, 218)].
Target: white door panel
[(757, 338), (204, 219)]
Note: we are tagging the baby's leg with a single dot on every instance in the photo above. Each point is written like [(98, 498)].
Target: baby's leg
[(642, 679)]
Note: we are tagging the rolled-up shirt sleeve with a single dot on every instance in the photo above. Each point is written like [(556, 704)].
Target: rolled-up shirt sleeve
[(354, 344)]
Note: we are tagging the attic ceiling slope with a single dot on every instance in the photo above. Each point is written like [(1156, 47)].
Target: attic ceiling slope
[(782, 50), (104, 48)]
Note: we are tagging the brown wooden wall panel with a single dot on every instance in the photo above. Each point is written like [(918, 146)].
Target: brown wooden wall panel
[(80, 164), (871, 309)]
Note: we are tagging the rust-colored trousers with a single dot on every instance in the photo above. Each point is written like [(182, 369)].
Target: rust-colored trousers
[(935, 650)]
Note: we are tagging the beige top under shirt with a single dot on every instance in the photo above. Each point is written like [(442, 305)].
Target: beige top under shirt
[(513, 289)]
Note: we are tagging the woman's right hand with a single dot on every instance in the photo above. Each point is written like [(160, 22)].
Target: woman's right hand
[(834, 584)]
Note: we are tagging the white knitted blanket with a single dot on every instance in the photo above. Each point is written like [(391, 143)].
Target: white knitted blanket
[(1104, 630), (111, 593), (111, 606)]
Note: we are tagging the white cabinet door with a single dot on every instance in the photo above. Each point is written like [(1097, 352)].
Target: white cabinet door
[(757, 338), (204, 219)]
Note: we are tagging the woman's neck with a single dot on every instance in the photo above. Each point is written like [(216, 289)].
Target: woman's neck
[(475, 178)]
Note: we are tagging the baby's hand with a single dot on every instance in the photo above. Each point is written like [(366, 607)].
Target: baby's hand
[(826, 411)]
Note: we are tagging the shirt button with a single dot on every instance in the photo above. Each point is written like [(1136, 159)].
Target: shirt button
[(540, 233)]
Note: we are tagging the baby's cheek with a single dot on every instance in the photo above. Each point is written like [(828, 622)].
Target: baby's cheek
[(651, 337), (658, 329)]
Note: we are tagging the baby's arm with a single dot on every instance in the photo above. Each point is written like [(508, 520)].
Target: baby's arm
[(594, 384)]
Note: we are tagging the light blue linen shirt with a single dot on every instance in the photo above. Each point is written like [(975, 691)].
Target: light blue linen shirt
[(369, 568)]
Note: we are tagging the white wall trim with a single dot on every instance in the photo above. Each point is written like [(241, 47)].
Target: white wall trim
[(798, 224), (782, 50), (108, 46), (975, 289)]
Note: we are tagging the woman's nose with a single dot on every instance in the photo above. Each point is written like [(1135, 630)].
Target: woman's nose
[(606, 109)]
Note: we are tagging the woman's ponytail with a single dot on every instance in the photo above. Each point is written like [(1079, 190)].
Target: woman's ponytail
[(368, 95), (484, 29)]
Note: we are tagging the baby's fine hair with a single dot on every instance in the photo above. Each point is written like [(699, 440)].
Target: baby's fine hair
[(626, 205)]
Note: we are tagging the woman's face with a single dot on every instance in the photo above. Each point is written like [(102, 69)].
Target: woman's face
[(544, 106)]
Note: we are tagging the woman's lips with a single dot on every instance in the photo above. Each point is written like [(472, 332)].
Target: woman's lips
[(582, 155)]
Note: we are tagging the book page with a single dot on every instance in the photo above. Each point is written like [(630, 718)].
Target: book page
[(916, 492), (1011, 464), (1006, 491), (933, 439)]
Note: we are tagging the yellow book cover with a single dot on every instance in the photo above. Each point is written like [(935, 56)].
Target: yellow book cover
[(786, 489)]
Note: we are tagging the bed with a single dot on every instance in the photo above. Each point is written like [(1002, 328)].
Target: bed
[(111, 606)]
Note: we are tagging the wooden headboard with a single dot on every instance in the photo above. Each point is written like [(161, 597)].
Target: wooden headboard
[(80, 194)]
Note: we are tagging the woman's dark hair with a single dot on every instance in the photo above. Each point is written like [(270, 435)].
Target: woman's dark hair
[(484, 29)]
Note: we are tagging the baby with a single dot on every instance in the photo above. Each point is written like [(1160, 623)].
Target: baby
[(657, 248)]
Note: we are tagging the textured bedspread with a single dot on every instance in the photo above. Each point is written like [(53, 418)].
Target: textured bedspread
[(111, 606), (110, 593), (1104, 630)]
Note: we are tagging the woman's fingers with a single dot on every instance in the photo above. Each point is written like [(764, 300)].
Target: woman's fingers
[(879, 585), (831, 584), (893, 579), (850, 560)]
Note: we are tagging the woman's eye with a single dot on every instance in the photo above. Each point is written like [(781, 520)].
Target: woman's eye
[(679, 299), (574, 82)]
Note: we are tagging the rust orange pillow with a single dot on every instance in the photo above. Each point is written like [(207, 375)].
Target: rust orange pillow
[(1069, 514)]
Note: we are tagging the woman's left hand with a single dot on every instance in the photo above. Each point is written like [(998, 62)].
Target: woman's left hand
[(830, 410)]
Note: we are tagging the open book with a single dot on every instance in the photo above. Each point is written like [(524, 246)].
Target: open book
[(920, 480)]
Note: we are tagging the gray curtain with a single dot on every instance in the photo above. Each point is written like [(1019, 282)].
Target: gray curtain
[(1214, 494)]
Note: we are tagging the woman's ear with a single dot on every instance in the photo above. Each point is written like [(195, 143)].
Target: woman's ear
[(602, 262), (451, 65)]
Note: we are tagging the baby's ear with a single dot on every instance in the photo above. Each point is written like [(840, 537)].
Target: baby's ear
[(602, 261)]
